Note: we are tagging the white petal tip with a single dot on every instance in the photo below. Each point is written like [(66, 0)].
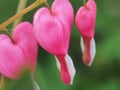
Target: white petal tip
[(82, 44), (70, 67), (92, 51), (35, 85)]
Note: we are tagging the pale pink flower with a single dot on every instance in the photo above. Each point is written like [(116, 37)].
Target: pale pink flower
[(52, 28), (85, 20), (18, 52)]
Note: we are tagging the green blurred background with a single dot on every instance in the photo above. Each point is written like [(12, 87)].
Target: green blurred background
[(104, 74)]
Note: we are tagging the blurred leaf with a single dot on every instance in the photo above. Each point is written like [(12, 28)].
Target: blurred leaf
[(24, 83)]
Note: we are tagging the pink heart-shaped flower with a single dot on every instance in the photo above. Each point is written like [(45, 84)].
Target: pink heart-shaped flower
[(85, 21), (19, 52), (52, 29)]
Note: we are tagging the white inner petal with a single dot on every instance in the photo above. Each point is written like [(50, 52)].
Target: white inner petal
[(70, 66), (82, 44), (92, 51), (57, 63)]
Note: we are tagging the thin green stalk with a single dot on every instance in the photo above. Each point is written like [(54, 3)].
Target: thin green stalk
[(2, 82), (21, 6), (84, 2)]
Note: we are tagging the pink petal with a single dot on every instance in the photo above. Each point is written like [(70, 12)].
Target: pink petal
[(24, 38), (85, 19), (64, 11), (48, 31), (19, 53), (11, 58), (52, 28), (93, 8)]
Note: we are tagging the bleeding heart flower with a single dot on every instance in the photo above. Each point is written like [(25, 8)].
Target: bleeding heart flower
[(52, 28), (19, 52), (85, 20)]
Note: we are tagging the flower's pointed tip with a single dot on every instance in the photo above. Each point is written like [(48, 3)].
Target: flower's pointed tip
[(67, 75), (88, 60), (36, 86)]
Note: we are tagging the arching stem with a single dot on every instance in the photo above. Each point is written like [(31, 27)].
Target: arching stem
[(26, 10)]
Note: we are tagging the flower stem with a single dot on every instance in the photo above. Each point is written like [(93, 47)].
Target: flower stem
[(84, 2), (48, 6), (26, 10), (46, 3), (7, 31), (2, 82), (21, 6)]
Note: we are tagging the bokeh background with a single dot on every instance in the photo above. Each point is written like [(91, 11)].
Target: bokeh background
[(104, 74)]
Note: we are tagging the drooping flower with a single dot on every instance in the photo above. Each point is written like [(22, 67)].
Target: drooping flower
[(85, 21), (19, 52), (52, 28)]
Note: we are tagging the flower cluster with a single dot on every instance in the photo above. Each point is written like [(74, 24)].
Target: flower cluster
[(51, 29)]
